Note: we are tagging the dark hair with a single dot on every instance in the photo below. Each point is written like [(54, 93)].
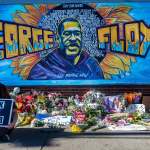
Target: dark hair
[(60, 26), (4, 92)]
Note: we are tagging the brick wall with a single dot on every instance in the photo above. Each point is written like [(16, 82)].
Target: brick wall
[(108, 89)]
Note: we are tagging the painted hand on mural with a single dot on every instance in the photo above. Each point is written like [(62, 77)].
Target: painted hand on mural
[(71, 60)]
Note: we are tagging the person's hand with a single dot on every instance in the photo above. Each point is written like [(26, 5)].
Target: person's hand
[(11, 126)]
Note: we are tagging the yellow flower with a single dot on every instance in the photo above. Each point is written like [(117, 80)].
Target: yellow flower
[(75, 128)]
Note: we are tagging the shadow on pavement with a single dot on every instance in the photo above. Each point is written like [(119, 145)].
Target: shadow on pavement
[(27, 137)]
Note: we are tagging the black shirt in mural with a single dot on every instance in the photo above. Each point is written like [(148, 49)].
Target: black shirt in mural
[(55, 66)]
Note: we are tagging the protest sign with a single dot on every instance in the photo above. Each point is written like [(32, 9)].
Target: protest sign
[(6, 106)]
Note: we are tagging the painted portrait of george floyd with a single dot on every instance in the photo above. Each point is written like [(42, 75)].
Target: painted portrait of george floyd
[(69, 61)]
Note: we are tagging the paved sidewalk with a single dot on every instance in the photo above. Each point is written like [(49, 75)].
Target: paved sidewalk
[(23, 139), (37, 139)]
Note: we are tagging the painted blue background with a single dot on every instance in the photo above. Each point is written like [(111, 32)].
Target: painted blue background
[(140, 71)]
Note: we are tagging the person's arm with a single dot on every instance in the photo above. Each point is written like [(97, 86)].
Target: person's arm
[(14, 119)]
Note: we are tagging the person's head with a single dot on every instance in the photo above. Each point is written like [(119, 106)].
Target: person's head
[(70, 37)]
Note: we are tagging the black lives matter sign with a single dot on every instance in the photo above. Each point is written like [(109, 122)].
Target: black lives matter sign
[(6, 106)]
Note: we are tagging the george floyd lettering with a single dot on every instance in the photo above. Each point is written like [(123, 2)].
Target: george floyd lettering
[(17, 40), (134, 41)]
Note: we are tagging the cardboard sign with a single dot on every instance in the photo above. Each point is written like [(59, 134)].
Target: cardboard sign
[(136, 108), (6, 106)]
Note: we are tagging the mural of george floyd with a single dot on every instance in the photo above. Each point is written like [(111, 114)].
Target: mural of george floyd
[(75, 44)]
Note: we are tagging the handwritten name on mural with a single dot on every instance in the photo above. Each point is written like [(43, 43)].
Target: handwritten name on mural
[(133, 39), (17, 40)]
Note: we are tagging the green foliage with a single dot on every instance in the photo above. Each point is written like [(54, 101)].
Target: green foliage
[(39, 124), (146, 116)]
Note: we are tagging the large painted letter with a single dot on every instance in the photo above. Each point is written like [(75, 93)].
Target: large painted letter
[(38, 42), (25, 40), (48, 39), (103, 37), (145, 45), (132, 37), (117, 45), (1, 42), (11, 40)]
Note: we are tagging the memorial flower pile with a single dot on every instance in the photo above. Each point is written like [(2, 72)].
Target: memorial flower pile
[(90, 112)]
